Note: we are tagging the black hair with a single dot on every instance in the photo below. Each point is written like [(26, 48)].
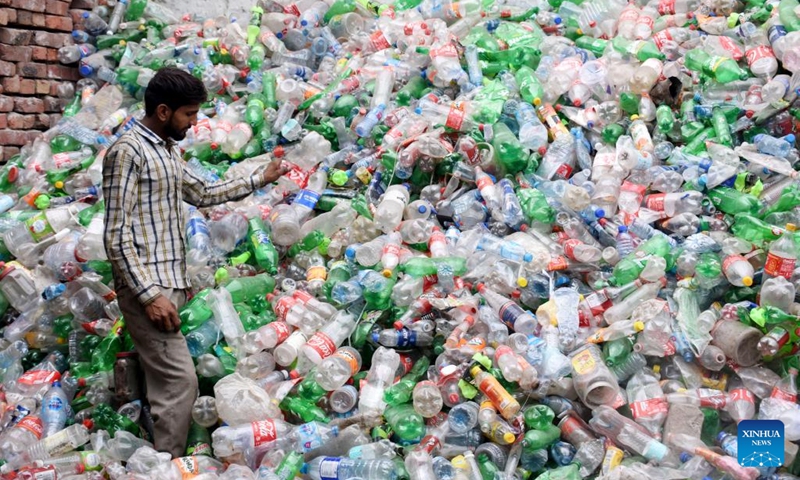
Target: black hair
[(174, 88)]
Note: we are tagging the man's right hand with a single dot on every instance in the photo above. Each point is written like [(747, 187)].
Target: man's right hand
[(164, 314)]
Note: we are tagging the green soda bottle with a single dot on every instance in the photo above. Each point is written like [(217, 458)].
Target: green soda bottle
[(105, 418), (790, 198), (289, 467), (595, 45), (268, 85), (339, 272), (105, 355), (423, 266), (769, 315), (406, 423), (85, 216), (721, 69), (665, 119), (528, 83), (309, 389), (538, 417), (378, 293), (344, 106), (511, 156), (264, 251), (311, 241), (722, 128), (487, 467), (135, 10), (629, 103), (534, 205), (401, 392), (612, 132), (64, 143), (339, 7), (253, 148), (198, 441), (537, 439), (195, 313), (200, 151), (787, 12), (242, 289), (640, 49), (412, 90), (731, 201), (307, 411), (254, 113)]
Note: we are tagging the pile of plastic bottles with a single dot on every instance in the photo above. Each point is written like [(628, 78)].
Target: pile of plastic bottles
[(519, 239)]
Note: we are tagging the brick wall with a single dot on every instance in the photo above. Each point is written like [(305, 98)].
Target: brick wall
[(31, 32)]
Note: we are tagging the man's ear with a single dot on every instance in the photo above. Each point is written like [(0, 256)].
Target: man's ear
[(163, 112)]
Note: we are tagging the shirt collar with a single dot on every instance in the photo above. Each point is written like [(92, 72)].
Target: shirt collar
[(150, 135)]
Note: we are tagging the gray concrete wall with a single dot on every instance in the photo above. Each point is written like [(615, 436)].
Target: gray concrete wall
[(212, 8)]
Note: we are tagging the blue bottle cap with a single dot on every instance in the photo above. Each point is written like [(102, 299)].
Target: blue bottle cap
[(685, 457), (527, 257), (85, 15), (622, 229), (86, 70), (600, 213), (790, 138), (422, 209)]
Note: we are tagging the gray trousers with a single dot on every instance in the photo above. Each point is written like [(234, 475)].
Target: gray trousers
[(168, 368)]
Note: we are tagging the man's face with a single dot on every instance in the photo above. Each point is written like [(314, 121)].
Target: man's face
[(181, 120)]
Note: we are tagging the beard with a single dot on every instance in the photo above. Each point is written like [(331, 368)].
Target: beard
[(173, 132)]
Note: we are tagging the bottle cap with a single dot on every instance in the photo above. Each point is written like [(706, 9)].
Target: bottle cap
[(509, 437), (622, 229), (790, 138), (638, 326), (387, 273), (599, 213), (85, 15), (522, 282), (747, 281), (791, 227), (634, 117), (474, 371)]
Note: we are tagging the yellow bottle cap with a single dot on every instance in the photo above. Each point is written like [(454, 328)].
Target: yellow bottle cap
[(791, 227), (59, 184), (747, 281), (657, 369), (387, 273), (460, 462), (509, 437), (634, 117), (638, 326), (522, 282), (474, 371), (537, 101)]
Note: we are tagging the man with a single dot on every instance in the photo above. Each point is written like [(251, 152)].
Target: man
[(145, 181)]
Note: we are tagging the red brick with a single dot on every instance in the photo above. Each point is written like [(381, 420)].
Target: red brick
[(54, 22), (48, 39), (10, 14), (17, 137), (13, 53), (54, 7), (39, 54), (7, 69), (77, 17), (52, 104), (3, 120), (83, 4), (13, 36), (28, 105), (32, 5), (32, 70), (61, 72), (41, 120), (5, 3), (6, 103), (8, 152), (11, 84), (54, 118), (27, 86), (20, 122), (4, 16), (42, 87), (30, 19)]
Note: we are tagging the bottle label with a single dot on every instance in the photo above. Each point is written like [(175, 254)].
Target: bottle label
[(329, 468), (188, 467), (54, 404), (563, 171), (712, 398), (378, 41), (781, 394), (59, 443), (760, 52), (317, 272), (225, 126), (732, 48), (201, 448), (569, 247), (406, 337), (498, 395), (455, 117), (666, 7), (39, 377), (655, 201), (39, 227), (281, 330), (509, 313), (322, 344), (61, 159), (260, 237), (349, 358), (661, 37), (583, 363), (612, 458), (32, 424), (598, 302), (629, 15), (307, 198), (648, 21), (196, 226), (557, 263), (649, 408), (779, 266), (730, 260), (264, 431), (282, 306), (742, 395), (775, 33)]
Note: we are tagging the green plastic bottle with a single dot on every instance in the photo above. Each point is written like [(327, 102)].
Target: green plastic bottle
[(722, 128), (261, 246), (307, 411), (732, 201), (721, 69), (135, 10), (412, 90), (242, 289), (198, 441), (665, 119), (254, 113), (528, 83), (423, 266), (510, 155), (105, 418), (538, 417), (339, 7), (406, 423), (401, 392), (538, 439), (787, 12), (105, 355), (311, 241), (641, 49), (195, 312)]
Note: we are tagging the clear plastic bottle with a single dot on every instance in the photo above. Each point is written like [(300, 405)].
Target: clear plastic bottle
[(782, 255), (340, 468)]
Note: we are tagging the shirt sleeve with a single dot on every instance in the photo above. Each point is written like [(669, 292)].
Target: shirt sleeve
[(197, 192), (121, 171)]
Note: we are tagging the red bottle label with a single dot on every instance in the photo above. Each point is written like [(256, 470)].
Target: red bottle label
[(649, 408), (264, 431), (322, 344), (779, 266)]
